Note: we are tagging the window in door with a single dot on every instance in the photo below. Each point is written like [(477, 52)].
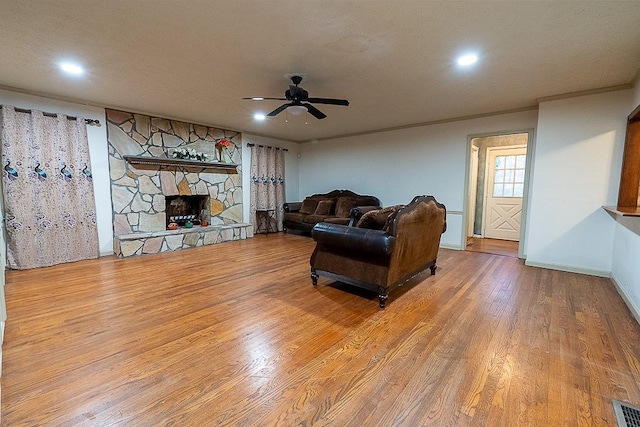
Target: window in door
[(509, 176)]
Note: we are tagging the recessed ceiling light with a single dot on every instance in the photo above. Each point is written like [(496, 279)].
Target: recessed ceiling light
[(259, 116), (466, 60), (71, 68), (258, 98)]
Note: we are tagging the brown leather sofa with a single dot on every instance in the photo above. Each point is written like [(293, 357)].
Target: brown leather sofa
[(401, 242), (335, 207)]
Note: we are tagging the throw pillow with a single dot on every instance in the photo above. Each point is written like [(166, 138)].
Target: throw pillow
[(344, 206), (308, 206), (392, 216), (324, 207), (376, 219)]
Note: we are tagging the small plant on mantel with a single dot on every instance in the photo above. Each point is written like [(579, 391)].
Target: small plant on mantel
[(189, 154)]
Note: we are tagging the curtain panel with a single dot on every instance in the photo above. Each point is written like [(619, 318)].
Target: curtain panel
[(267, 185), (49, 205)]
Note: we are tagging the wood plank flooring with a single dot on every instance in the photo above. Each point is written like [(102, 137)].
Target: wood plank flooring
[(493, 246), (235, 334)]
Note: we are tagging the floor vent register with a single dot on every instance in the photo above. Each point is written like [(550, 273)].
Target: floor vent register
[(627, 415)]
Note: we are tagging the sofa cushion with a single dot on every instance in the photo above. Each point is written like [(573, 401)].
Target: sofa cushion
[(308, 206), (314, 219), (336, 220), (344, 206), (377, 219), (324, 207), (294, 216), (367, 201)]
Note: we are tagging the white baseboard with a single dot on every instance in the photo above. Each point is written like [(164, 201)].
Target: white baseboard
[(454, 247), (569, 269), (635, 311)]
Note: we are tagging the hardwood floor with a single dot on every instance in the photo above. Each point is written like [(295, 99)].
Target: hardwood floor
[(493, 246), (235, 334)]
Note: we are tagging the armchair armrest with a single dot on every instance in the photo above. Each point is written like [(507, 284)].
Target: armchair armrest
[(374, 242), (357, 212), (292, 206)]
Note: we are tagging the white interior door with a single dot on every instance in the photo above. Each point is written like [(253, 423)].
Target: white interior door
[(505, 188)]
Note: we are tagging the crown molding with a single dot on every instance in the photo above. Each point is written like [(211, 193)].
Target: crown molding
[(586, 92), (430, 123)]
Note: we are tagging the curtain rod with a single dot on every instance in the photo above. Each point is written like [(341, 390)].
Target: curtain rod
[(267, 146), (90, 122)]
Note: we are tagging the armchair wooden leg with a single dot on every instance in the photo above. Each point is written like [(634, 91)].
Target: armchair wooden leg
[(314, 277), (383, 299), (433, 269)]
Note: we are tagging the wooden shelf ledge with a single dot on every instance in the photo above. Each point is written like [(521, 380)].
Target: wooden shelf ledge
[(160, 161), (620, 211)]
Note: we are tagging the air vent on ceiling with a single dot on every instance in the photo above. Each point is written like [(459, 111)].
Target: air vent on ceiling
[(627, 415)]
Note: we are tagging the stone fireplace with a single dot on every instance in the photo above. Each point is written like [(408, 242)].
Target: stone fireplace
[(143, 195)]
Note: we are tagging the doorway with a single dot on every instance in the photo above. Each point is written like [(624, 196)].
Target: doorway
[(496, 198)]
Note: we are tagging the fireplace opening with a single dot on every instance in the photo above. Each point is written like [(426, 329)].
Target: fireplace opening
[(181, 209)]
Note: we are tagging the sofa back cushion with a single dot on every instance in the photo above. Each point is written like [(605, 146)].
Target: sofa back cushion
[(344, 206), (324, 207), (308, 206), (367, 201)]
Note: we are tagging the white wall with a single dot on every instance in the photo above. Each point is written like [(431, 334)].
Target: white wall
[(397, 165), (97, 150), (291, 176), (625, 268), (578, 156)]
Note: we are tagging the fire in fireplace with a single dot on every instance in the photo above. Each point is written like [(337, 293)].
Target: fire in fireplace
[(181, 209)]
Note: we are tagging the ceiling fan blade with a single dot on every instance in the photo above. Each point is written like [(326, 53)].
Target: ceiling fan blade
[(280, 109), (329, 101), (314, 111), (264, 98)]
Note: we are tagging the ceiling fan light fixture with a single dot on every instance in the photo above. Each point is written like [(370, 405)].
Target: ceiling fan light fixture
[(297, 110)]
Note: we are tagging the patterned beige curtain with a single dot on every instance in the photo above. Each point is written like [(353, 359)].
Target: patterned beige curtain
[(49, 208), (267, 185)]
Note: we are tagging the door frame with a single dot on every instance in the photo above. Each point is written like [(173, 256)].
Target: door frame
[(472, 193), (467, 210)]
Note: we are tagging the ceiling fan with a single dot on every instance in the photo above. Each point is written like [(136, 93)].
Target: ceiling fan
[(300, 101)]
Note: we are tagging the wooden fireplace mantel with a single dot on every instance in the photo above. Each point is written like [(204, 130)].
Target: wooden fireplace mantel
[(160, 161)]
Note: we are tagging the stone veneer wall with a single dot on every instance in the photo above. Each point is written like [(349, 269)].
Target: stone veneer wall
[(138, 192)]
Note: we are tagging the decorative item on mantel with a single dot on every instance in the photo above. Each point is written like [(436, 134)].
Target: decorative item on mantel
[(189, 154), (221, 145)]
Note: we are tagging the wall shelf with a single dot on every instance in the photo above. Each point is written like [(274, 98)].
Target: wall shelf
[(622, 211), (160, 161)]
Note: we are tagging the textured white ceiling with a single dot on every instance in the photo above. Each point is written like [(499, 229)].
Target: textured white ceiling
[(393, 60)]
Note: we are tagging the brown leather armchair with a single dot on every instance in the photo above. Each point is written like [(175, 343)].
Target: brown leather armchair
[(381, 260)]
